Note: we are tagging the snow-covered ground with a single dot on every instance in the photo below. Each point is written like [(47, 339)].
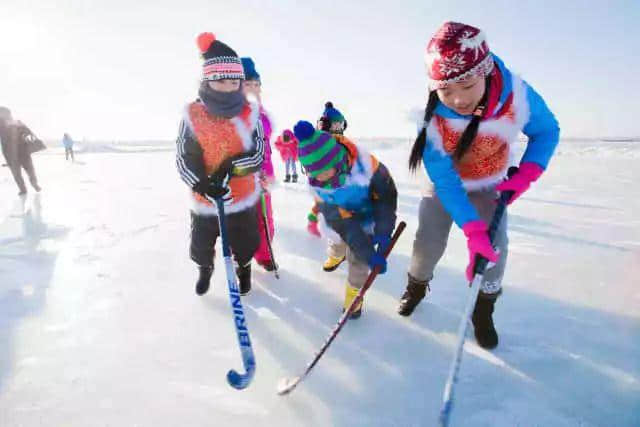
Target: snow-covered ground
[(100, 325)]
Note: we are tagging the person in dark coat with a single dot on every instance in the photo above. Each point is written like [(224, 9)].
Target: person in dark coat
[(15, 138)]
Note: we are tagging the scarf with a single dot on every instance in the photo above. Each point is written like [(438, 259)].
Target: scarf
[(222, 104)]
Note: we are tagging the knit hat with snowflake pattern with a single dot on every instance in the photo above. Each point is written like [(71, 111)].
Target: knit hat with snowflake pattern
[(457, 52), (220, 61)]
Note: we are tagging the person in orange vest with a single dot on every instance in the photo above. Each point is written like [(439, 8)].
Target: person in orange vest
[(220, 150), (476, 109)]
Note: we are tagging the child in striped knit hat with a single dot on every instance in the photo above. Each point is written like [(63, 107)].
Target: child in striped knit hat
[(475, 112), (356, 197), (220, 149), (331, 121)]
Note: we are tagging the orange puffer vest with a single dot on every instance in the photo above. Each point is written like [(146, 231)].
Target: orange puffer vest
[(486, 162), (221, 138)]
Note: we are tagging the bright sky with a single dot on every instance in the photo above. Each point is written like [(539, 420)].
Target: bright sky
[(123, 70)]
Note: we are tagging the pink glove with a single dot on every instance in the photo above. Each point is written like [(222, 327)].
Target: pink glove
[(312, 227), (478, 243), (527, 173)]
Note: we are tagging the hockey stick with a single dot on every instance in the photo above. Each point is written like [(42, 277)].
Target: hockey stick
[(286, 385), (234, 378), (265, 221), (478, 272)]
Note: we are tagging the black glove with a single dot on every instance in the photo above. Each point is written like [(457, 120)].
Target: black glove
[(216, 186)]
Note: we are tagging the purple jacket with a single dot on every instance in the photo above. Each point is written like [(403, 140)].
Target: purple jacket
[(267, 165)]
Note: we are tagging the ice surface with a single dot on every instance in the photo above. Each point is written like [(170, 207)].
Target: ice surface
[(100, 324)]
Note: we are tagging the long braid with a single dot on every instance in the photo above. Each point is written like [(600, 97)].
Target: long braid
[(471, 130), (421, 141)]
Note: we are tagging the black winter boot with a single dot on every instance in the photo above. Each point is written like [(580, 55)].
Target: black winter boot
[(482, 320), (287, 178), (294, 178), (244, 278), (202, 285), (416, 290)]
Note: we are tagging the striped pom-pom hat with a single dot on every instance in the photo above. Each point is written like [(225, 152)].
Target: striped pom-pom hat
[(318, 152), (220, 61)]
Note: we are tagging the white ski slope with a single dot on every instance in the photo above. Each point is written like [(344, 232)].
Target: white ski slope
[(100, 325)]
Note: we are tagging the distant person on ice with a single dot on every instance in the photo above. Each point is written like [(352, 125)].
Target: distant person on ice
[(220, 148), (252, 85), (476, 110), (357, 198), (17, 140), (287, 145), (67, 142)]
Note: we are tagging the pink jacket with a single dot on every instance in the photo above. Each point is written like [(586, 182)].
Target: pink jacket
[(267, 166), (288, 150)]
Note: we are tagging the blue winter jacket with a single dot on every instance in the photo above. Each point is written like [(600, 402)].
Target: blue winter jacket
[(365, 205), (542, 131)]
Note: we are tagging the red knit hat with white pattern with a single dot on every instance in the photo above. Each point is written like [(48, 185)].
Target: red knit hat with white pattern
[(457, 52)]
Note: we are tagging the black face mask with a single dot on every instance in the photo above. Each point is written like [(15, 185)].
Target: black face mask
[(222, 104)]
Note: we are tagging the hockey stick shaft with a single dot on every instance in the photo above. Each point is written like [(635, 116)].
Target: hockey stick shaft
[(265, 221), (479, 268), (287, 388), (234, 378)]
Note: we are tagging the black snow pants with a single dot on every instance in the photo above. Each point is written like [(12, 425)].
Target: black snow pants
[(242, 232)]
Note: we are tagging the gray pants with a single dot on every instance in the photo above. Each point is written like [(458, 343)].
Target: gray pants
[(358, 269), (433, 232)]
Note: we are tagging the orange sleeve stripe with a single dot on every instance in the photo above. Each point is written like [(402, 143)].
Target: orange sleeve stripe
[(344, 214)]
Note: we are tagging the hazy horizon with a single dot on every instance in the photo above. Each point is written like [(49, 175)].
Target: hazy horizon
[(123, 70)]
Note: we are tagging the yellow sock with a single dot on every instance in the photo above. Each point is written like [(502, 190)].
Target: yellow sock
[(349, 296)]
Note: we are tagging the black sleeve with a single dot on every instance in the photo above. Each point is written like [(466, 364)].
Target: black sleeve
[(250, 161), (385, 201), (189, 158)]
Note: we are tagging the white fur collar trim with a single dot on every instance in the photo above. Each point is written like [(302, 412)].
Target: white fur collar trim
[(245, 131), (503, 127)]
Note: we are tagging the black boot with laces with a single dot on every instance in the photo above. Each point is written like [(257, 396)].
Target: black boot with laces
[(416, 290), (482, 320)]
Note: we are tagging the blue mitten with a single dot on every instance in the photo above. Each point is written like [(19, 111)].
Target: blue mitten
[(378, 260), (381, 242)]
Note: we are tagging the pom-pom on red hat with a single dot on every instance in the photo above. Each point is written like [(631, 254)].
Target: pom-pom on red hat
[(220, 61)]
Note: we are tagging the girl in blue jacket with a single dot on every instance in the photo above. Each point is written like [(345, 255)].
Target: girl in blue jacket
[(475, 111)]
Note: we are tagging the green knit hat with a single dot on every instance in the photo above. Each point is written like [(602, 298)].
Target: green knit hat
[(318, 151)]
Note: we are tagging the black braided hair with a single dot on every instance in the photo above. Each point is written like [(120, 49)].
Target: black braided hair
[(421, 141), (467, 136), (471, 130)]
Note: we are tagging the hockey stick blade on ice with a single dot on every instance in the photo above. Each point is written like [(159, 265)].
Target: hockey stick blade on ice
[(478, 272), (235, 379), (286, 385)]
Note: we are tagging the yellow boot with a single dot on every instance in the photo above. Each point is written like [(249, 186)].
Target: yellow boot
[(332, 263), (349, 296)]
